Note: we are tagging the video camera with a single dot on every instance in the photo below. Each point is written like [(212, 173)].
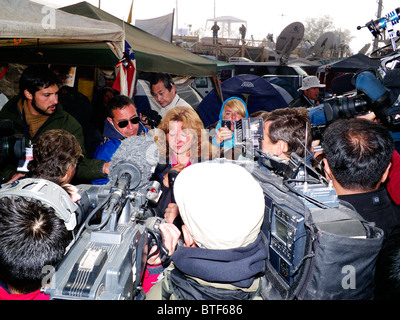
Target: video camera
[(118, 226), (292, 189), (11, 146), (371, 96)]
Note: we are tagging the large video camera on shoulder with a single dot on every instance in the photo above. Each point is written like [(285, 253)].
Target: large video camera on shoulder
[(376, 91), (371, 96), (306, 226), (118, 226), (291, 187)]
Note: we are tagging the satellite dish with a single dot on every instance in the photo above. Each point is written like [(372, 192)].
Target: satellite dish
[(324, 44), (364, 49), (288, 40)]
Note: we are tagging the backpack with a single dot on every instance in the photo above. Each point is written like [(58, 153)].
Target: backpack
[(319, 247)]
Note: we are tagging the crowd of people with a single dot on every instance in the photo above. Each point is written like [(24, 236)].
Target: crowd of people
[(224, 251)]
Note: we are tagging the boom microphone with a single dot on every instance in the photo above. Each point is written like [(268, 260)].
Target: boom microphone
[(136, 157)]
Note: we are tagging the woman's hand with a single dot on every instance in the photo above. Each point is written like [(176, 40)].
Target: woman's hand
[(223, 134), (179, 167), (171, 212)]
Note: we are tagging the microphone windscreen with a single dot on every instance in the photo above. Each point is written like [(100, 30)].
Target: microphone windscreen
[(140, 152)]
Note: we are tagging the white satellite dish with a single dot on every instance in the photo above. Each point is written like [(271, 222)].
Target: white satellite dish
[(288, 40), (324, 43)]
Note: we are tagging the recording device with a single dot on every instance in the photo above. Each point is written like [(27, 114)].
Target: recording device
[(295, 190), (226, 124), (153, 119), (11, 146), (371, 95), (107, 261), (248, 133)]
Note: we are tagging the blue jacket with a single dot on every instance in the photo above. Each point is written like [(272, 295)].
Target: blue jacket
[(227, 144), (111, 141)]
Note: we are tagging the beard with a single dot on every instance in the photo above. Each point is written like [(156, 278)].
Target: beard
[(43, 112)]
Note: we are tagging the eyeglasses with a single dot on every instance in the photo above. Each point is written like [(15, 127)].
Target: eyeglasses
[(124, 123)]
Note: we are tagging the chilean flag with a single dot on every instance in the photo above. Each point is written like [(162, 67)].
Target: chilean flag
[(125, 82)]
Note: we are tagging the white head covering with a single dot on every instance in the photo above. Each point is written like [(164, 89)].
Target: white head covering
[(310, 82), (221, 204)]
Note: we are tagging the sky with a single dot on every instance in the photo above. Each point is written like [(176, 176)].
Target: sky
[(262, 16)]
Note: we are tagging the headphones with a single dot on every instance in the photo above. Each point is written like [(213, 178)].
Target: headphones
[(46, 192)]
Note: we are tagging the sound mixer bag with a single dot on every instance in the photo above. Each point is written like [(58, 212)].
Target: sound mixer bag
[(322, 253)]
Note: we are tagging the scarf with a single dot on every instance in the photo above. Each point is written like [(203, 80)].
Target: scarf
[(239, 266)]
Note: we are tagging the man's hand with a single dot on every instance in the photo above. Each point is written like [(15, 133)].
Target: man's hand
[(16, 176), (369, 116), (106, 167), (170, 236)]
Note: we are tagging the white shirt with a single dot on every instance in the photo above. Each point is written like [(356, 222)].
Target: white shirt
[(175, 103)]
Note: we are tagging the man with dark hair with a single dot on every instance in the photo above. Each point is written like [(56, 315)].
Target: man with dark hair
[(36, 110), (122, 122), (55, 156), (164, 91), (286, 131), (358, 155), (31, 237)]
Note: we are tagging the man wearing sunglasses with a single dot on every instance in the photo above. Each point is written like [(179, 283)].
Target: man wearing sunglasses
[(122, 122)]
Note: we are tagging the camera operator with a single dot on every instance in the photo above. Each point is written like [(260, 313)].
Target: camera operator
[(35, 110), (31, 237), (285, 132), (358, 155), (224, 253), (310, 93), (55, 156), (122, 122)]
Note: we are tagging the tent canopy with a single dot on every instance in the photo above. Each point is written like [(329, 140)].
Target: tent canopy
[(228, 19), (254, 90), (226, 24), (26, 23), (160, 27), (152, 54), (350, 64)]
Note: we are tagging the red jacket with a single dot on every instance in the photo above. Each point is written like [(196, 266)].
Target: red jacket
[(393, 183), (36, 295)]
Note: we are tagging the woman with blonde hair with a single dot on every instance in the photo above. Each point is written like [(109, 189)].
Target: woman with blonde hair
[(233, 109), (182, 141)]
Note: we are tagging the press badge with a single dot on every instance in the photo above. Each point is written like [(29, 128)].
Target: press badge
[(23, 164)]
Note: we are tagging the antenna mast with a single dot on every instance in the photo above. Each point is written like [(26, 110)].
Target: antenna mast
[(378, 15)]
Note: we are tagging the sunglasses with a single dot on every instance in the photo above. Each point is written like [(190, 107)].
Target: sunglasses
[(124, 123)]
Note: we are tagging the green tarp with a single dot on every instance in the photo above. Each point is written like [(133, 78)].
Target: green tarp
[(152, 54)]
